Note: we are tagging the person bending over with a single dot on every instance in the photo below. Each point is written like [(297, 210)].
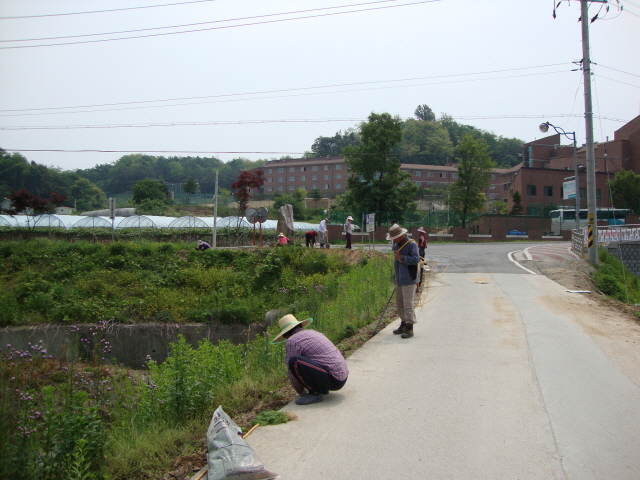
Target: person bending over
[(313, 362)]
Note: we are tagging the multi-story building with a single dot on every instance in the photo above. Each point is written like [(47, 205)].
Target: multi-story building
[(539, 178)]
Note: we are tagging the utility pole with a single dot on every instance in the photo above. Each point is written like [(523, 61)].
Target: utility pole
[(215, 214), (588, 118)]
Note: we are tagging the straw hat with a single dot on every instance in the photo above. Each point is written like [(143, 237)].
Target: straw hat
[(287, 323), (281, 234), (421, 230), (200, 242), (349, 217), (396, 231)]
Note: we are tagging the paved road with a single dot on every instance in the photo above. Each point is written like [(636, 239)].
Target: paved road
[(499, 382)]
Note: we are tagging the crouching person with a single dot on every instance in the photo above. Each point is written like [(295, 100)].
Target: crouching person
[(313, 361)]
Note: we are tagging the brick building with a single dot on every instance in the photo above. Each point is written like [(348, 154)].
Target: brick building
[(539, 178)]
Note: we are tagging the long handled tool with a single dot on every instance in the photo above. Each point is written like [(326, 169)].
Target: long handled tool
[(375, 330)]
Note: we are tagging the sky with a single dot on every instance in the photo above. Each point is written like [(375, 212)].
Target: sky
[(95, 80)]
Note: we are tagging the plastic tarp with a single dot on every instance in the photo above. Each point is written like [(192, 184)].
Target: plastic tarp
[(234, 222), (97, 222), (8, 221), (193, 222), (146, 221), (57, 221)]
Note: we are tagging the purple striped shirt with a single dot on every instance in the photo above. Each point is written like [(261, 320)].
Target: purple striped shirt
[(318, 348)]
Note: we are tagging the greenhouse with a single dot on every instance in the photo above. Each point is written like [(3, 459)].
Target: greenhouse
[(97, 222), (8, 221), (193, 222), (146, 221), (59, 221)]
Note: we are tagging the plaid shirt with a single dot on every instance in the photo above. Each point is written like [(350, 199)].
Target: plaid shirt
[(318, 348)]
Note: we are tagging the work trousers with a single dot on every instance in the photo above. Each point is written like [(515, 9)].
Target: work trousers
[(313, 376), (322, 238), (348, 235), (405, 299)]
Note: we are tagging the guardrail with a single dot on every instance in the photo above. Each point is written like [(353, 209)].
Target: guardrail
[(606, 234)]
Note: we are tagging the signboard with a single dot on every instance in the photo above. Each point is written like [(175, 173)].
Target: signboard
[(569, 189), (371, 222)]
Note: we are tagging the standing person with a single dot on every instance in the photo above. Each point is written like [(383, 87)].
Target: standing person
[(310, 238), (313, 362), (405, 268), (422, 241), (322, 232), (348, 230)]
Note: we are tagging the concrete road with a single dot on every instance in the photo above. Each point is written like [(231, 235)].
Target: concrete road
[(498, 383)]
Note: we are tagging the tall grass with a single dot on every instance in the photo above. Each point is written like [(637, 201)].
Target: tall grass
[(615, 280), (90, 420)]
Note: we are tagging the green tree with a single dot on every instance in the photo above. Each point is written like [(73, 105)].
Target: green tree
[(424, 113), (87, 196), (517, 204), (499, 207), (425, 143), (474, 174), (316, 195), (296, 201), (625, 190), (376, 182), (150, 206), (332, 146), (190, 186), (151, 190)]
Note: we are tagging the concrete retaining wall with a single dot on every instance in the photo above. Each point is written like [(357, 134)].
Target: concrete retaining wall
[(628, 253), (129, 345)]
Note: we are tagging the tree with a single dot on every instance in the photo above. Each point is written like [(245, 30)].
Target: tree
[(332, 146), (499, 207), (625, 190), (150, 189), (22, 201), (87, 196), (190, 187), (247, 181), (316, 195), (376, 182), (424, 113), (474, 174), (425, 143), (296, 201), (517, 204)]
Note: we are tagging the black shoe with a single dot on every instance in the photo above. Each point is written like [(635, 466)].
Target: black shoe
[(408, 333), (400, 329)]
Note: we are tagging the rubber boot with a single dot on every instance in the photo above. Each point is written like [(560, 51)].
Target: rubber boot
[(408, 333), (400, 329)]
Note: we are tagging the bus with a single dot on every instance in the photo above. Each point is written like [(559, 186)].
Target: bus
[(565, 219)]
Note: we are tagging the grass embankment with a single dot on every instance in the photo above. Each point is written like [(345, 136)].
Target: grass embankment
[(613, 279), (86, 420)]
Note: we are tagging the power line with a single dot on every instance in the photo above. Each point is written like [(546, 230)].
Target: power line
[(621, 71), (217, 28), (195, 24), (103, 11), (224, 97)]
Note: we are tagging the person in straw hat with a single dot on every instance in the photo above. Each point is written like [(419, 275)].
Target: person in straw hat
[(405, 268), (313, 362), (283, 240), (422, 241), (348, 230)]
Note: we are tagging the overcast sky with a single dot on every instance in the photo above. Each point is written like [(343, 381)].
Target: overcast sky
[(264, 78)]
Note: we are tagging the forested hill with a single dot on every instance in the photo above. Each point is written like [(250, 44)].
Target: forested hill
[(120, 176), (428, 141)]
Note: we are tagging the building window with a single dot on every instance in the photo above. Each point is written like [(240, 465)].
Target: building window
[(429, 174), (338, 167), (314, 187), (338, 176), (281, 179), (269, 189), (280, 188), (315, 177), (492, 187), (327, 167), (292, 169), (280, 170), (303, 169), (303, 178), (490, 196), (548, 191), (269, 180), (338, 185), (291, 187), (454, 175), (417, 174), (270, 170), (443, 175), (315, 168), (429, 183), (325, 186), (418, 183), (531, 190), (292, 179), (506, 187), (326, 177)]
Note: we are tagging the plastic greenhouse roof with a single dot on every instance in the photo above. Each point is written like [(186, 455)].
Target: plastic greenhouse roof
[(58, 221), (193, 222), (97, 222), (146, 221), (8, 221)]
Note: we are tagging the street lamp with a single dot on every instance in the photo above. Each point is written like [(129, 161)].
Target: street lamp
[(544, 128)]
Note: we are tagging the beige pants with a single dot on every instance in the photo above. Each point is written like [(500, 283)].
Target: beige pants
[(405, 303)]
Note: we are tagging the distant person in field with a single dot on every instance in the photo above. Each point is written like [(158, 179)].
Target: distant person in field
[(348, 230), (322, 232), (203, 245), (310, 238), (422, 241), (283, 240)]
